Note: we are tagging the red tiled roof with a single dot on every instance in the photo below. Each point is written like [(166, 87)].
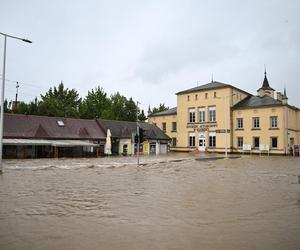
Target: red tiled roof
[(32, 126)]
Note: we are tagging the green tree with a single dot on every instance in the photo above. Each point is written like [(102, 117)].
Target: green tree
[(22, 108), (121, 108), (60, 102), (95, 104), (161, 108), (142, 116), (130, 110), (33, 107)]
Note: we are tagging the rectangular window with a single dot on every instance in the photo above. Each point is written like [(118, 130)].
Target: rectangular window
[(255, 122), (188, 97), (212, 114), (212, 141), (215, 94), (202, 114), (196, 97), (164, 126), (206, 96), (274, 142), (256, 142), (273, 121), (174, 126), (174, 140), (192, 115), (192, 139), (240, 142), (240, 123)]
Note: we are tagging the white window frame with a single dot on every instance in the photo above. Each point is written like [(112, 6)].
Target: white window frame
[(240, 123), (202, 114), (193, 140), (274, 122), (192, 115), (255, 122), (212, 114), (240, 141)]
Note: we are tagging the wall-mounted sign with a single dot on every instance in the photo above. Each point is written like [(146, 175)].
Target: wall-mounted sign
[(202, 127), (222, 131)]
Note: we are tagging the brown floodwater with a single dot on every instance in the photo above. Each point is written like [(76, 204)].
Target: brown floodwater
[(171, 202)]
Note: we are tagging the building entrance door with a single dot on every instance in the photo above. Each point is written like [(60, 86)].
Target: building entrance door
[(201, 147)]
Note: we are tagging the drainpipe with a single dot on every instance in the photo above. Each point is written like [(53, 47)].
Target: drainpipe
[(286, 131)]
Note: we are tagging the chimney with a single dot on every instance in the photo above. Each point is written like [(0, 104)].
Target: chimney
[(279, 96)]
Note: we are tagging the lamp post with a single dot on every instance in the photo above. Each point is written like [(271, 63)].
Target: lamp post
[(3, 89), (138, 133)]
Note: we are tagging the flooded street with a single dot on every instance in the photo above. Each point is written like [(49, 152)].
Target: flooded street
[(168, 203)]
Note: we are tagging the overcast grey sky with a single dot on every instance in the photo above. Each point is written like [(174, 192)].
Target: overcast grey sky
[(150, 50)]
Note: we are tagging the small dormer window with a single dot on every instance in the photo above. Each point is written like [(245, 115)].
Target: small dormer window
[(60, 123)]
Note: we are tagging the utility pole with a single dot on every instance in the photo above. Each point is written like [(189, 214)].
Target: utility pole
[(3, 89), (138, 133), (16, 100)]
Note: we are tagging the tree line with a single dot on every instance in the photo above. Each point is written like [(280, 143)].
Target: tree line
[(63, 102)]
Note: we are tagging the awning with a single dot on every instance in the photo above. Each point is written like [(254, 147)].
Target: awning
[(40, 142)]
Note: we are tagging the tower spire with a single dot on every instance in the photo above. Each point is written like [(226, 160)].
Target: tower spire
[(266, 84), (265, 89)]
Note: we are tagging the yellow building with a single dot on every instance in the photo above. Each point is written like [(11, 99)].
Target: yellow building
[(216, 117)]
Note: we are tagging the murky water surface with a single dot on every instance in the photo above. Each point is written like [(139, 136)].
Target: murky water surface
[(167, 203)]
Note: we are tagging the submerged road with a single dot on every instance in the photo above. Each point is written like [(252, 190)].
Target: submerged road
[(167, 203)]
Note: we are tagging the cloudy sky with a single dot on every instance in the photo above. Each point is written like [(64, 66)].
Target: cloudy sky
[(149, 50)]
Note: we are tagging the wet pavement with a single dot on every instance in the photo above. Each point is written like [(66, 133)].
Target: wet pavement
[(170, 202)]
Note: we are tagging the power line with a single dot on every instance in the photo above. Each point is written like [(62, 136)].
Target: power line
[(21, 82)]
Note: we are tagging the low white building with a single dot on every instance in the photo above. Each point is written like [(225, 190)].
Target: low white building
[(123, 142)]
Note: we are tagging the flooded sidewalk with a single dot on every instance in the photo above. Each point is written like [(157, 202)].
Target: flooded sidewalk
[(169, 202)]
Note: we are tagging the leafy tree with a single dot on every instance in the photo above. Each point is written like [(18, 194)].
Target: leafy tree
[(33, 107), (130, 110), (121, 108), (21, 108), (60, 102), (142, 116), (95, 104), (161, 108)]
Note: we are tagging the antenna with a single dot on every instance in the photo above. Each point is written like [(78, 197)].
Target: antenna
[(212, 77)]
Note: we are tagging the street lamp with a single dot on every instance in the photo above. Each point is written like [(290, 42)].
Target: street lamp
[(138, 133), (2, 93)]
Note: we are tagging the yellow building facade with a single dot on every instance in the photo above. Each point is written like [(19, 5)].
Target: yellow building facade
[(218, 117)]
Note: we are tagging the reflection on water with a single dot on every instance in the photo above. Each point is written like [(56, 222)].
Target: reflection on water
[(167, 203)]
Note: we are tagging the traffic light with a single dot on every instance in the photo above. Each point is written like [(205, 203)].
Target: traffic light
[(142, 135), (136, 138)]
